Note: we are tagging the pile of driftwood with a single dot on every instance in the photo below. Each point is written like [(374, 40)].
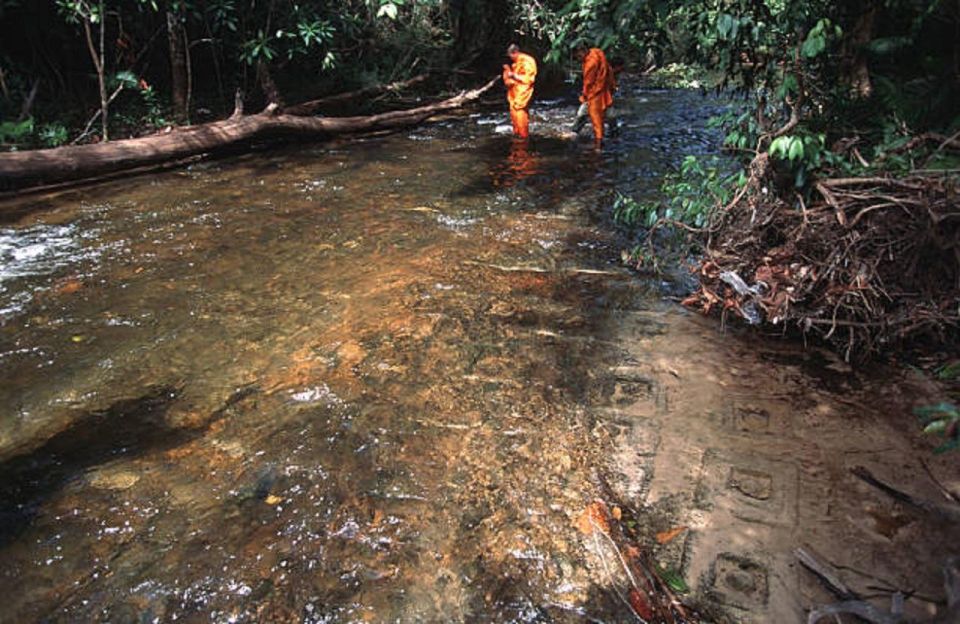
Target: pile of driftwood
[(868, 264)]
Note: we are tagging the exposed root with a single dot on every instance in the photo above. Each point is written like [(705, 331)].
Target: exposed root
[(867, 264)]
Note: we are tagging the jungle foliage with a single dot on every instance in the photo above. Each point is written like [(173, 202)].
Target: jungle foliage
[(159, 62), (834, 211)]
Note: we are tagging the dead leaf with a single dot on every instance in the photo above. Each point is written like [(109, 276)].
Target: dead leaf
[(595, 516), (272, 499), (665, 537), (69, 287), (617, 513), (640, 605)]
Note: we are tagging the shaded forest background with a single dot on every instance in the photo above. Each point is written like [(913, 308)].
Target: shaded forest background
[(158, 62)]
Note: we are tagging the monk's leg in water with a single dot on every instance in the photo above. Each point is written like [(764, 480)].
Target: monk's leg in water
[(521, 122), (611, 118), (583, 116), (596, 110)]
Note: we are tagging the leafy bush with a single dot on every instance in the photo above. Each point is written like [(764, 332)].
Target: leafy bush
[(942, 420), (691, 195), (52, 134), (678, 76), (16, 132)]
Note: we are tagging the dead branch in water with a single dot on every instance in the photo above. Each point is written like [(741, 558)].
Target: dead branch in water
[(308, 108)]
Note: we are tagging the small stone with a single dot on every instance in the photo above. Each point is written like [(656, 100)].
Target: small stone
[(119, 480)]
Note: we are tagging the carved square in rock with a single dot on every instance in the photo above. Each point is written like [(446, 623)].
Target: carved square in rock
[(739, 582), (751, 418), (749, 486), (751, 483), (746, 418)]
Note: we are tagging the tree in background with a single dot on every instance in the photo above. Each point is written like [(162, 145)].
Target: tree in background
[(88, 15), (185, 58)]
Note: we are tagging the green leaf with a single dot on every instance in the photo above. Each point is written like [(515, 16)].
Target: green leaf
[(950, 371), (673, 579), (813, 46), (725, 25), (937, 426), (888, 45), (796, 149), (778, 147)]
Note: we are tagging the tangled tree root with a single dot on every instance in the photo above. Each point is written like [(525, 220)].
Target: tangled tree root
[(871, 265)]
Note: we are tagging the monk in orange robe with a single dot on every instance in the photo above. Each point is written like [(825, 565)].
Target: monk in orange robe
[(599, 83), (519, 78)]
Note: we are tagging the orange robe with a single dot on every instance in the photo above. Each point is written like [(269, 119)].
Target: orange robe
[(599, 84), (520, 92)]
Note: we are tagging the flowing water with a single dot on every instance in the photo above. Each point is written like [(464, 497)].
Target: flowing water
[(377, 380)]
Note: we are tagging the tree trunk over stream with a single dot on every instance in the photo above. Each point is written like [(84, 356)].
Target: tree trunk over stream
[(37, 168)]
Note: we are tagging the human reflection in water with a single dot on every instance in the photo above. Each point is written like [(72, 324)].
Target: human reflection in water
[(521, 163)]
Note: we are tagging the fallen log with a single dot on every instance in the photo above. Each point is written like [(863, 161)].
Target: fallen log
[(36, 168)]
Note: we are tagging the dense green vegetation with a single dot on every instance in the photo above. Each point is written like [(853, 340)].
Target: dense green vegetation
[(157, 62), (876, 75), (885, 70)]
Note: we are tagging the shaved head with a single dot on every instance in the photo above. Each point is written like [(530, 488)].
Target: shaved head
[(513, 51)]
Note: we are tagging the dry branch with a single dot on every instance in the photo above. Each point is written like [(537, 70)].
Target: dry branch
[(868, 264)]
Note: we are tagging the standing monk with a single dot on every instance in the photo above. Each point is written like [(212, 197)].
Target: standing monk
[(599, 84), (519, 79)]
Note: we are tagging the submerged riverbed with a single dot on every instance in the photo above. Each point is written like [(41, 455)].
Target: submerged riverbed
[(380, 380)]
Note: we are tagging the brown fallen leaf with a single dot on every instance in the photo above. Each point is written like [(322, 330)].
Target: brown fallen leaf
[(595, 516), (69, 287), (665, 537), (640, 604), (272, 499), (617, 513)]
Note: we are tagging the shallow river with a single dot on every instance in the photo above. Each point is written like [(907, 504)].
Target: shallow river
[(380, 380)]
